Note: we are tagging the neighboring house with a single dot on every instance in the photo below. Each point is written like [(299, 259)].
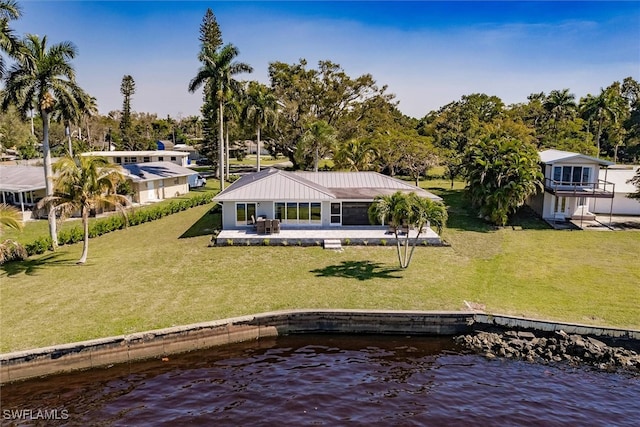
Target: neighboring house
[(307, 199), (128, 157), (155, 181), (22, 186), (571, 182), (620, 204), (164, 144)]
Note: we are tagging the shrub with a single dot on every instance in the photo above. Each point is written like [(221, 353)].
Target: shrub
[(265, 242), (39, 246), (10, 250)]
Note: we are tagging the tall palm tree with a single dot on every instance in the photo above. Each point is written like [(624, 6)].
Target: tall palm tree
[(560, 105), (43, 77), (70, 114), (9, 43), (261, 109), (356, 155), (217, 76), (602, 109), (84, 183)]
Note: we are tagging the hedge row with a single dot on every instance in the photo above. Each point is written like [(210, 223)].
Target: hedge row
[(118, 222)]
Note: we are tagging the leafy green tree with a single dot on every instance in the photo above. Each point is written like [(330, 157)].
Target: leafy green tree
[(84, 183), (501, 174), (560, 106), (316, 143), (43, 77), (217, 76), (604, 110), (403, 211), (9, 43), (261, 109)]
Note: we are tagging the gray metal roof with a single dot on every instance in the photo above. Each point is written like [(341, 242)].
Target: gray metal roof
[(275, 184), (553, 156), (21, 178), (150, 171)]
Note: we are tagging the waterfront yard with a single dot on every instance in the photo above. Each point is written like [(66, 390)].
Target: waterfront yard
[(152, 276)]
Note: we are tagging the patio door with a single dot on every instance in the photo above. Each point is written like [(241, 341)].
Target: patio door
[(244, 212)]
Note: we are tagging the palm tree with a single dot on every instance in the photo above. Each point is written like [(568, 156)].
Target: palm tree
[(560, 104), (9, 43), (356, 155), (84, 183), (319, 138), (217, 76), (400, 210), (43, 77), (261, 109), (10, 217), (70, 114), (606, 107)]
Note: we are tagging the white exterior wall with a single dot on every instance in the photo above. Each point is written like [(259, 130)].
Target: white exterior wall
[(622, 205)]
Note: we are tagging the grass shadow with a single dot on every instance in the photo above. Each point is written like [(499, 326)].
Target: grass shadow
[(206, 225), (31, 266), (360, 270)]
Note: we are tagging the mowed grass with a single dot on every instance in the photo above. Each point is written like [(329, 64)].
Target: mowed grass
[(149, 277)]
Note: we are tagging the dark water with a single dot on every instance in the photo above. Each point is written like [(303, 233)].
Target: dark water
[(330, 380)]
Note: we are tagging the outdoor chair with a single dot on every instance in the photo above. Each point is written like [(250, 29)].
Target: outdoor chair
[(268, 228), (260, 227), (275, 226)]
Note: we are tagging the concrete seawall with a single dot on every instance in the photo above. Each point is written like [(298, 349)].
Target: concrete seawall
[(39, 362)]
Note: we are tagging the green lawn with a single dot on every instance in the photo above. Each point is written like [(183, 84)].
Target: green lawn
[(153, 276)]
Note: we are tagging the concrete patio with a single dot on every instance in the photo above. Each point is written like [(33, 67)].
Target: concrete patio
[(289, 236)]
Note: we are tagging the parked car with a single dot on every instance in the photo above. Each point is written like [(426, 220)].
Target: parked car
[(196, 181)]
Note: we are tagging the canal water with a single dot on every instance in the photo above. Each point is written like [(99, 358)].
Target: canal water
[(328, 380)]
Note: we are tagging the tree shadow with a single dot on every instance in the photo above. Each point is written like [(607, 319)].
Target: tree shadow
[(360, 270), (206, 225), (31, 266)]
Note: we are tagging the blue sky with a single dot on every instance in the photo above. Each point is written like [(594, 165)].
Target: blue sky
[(427, 53)]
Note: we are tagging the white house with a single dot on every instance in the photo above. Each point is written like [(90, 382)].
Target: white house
[(571, 182), (128, 157), (307, 199), (620, 204)]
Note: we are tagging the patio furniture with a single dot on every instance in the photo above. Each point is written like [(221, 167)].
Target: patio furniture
[(275, 226), (268, 227), (260, 226)]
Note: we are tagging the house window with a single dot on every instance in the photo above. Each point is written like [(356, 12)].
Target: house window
[(161, 159), (118, 160), (298, 212), (244, 212), (335, 213), (146, 159), (572, 175), (173, 158)]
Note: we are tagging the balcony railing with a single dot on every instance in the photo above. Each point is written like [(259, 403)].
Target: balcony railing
[(599, 188)]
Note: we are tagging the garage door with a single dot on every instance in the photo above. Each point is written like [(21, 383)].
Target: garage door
[(355, 213)]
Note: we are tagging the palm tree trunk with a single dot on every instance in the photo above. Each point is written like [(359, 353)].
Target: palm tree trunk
[(258, 151), (48, 178), (226, 150), (85, 244), (221, 145), (315, 163)]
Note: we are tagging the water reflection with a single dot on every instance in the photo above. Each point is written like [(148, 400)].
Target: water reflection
[(333, 380)]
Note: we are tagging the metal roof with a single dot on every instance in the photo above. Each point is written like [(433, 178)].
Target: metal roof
[(275, 184), (150, 171), (21, 178), (146, 153), (554, 156)]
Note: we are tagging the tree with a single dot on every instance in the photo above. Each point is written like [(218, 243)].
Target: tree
[(355, 155), (217, 75), (127, 89), (261, 109), (84, 183), (10, 217), (400, 210), (501, 173), (43, 77), (316, 143), (603, 110), (10, 250), (560, 105), (9, 43)]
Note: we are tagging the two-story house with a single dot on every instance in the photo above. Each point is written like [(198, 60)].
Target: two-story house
[(571, 182)]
